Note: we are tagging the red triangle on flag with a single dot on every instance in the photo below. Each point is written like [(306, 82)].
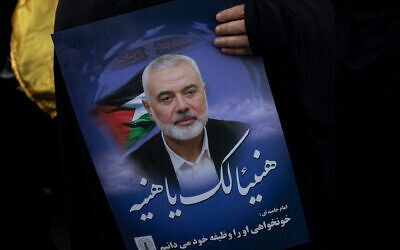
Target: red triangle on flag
[(117, 119)]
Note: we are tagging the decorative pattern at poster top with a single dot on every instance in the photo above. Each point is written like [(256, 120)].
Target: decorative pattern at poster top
[(186, 141)]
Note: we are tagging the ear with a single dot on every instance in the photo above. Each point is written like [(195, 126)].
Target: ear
[(204, 85), (147, 107)]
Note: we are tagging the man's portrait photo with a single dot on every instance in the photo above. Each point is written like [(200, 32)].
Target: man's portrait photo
[(190, 148)]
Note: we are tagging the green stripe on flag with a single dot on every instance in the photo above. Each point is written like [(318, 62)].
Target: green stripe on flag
[(139, 128)]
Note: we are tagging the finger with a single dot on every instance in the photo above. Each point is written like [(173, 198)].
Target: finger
[(231, 28), (237, 51), (240, 41), (234, 13)]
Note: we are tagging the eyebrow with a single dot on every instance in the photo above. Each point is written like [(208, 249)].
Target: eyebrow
[(190, 86)]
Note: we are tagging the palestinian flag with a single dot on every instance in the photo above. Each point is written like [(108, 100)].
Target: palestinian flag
[(125, 114)]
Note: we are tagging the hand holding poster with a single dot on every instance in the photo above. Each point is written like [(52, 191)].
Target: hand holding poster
[(186, 141)]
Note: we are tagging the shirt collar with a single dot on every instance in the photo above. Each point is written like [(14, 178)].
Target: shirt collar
[(178, 161)]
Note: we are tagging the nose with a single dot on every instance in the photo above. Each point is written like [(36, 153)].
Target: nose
[(181, 104)]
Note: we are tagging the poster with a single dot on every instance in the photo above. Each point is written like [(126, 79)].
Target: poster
[(186, 141)]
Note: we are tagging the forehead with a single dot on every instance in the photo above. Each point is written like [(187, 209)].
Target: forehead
[(178, 75)]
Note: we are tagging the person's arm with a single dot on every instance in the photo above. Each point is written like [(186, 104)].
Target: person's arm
[(270, 27)]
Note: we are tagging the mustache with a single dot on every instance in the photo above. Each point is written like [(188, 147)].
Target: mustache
[(185, 116)]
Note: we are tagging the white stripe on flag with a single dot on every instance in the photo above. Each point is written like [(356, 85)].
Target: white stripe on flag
[(136, 104)]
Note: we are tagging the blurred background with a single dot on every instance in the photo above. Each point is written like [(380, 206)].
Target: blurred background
[(32, 204)]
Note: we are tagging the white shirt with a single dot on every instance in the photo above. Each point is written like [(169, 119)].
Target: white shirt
[(197, 177)]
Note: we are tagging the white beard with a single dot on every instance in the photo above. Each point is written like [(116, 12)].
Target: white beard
[(183, 132)]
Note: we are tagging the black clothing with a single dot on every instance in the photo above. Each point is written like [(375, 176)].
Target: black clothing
[(368, 90), (29, 171), (296, 40), (154, 160)]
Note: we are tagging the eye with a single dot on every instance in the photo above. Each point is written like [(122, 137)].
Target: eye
[(190, 92), (165, 99)]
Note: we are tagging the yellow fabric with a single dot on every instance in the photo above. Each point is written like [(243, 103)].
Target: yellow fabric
[(32, 51)]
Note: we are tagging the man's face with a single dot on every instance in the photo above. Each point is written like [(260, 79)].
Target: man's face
[(178, 101)]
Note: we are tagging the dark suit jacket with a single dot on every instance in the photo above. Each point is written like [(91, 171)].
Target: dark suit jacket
[(154, 160)]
